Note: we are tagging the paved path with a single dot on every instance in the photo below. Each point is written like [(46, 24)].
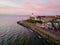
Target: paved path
[(54, 32)]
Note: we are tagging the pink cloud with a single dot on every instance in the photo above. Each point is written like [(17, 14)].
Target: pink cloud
[(13, 10), (42, 9), (54, 2), (32, 8)]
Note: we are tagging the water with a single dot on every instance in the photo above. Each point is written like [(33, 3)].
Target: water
[(13, 34)]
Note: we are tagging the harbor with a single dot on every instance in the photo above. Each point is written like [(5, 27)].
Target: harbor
[(53, 37)]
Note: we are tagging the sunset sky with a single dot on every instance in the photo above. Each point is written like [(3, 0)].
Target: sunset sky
[(26, 7)]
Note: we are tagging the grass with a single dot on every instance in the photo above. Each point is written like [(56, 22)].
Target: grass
[(33, 21)]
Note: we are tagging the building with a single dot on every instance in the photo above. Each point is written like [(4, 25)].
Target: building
[(33, 17), (46, 18)]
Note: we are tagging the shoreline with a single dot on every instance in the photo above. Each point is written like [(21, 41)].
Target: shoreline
[(40, 31)]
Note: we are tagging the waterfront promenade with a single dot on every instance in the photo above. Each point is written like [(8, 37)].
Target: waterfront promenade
[(51, 35)]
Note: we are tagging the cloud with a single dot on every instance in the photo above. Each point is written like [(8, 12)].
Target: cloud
[(11, 3), (54, 2), (29, 6), (14, 10)]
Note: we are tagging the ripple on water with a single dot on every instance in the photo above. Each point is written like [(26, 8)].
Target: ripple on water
[(13, 34)]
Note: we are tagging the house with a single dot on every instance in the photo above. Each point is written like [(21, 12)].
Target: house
[(45, 18), (32, 18)]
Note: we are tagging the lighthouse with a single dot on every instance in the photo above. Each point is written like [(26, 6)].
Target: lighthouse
[(32, 17)]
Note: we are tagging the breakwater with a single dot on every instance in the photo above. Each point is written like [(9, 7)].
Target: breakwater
[(40, 31)]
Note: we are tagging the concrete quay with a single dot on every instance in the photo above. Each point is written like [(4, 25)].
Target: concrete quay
[(40, 31)]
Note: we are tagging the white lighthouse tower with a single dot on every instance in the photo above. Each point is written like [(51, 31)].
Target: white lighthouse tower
[(32, 17)]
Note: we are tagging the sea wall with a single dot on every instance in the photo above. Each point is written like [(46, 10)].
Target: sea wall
[(40, 31)]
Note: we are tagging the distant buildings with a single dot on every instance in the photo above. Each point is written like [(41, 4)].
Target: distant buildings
[(51, 22), (46, 18)]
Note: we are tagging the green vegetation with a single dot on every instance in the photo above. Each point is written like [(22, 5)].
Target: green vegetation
[(33, 21)]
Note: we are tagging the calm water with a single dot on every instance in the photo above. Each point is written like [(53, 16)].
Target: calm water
[(13, 34)]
